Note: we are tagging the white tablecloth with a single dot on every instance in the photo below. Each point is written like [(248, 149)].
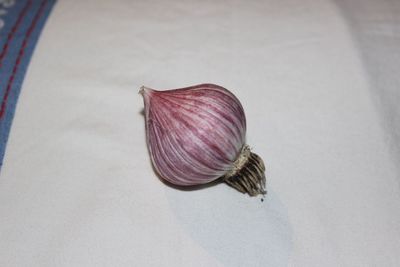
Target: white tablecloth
[(320, 86)]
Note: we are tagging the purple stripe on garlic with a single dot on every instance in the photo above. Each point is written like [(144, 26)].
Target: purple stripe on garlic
[(196, 135)]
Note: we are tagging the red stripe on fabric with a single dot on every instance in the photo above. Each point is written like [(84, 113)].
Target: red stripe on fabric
[(13, 31), (19, 58)]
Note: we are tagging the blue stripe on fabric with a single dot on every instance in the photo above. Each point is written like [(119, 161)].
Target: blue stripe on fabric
[(8, 62)]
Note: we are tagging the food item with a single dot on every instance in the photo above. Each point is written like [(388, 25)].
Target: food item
[(196, 135)]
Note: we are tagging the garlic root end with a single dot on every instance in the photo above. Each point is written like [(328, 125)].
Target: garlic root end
[(250, 177)]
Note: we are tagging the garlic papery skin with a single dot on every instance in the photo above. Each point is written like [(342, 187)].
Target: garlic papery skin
[(196, 135)]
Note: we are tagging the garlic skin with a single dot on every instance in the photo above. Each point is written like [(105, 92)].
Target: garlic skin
[(196, 135)]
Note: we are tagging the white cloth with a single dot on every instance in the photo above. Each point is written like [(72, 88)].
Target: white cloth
[(318, 86)]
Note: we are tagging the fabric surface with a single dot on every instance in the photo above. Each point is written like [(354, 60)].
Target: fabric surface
[(21, 23), (318, 82)]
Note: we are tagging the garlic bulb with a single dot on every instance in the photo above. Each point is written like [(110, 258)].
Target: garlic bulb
[(196, 135)]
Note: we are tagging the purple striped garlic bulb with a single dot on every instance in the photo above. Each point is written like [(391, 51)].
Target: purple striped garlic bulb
[(196, 135)]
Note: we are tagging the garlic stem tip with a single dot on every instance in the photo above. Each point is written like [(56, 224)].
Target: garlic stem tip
[(142, 89), (145, 90)]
